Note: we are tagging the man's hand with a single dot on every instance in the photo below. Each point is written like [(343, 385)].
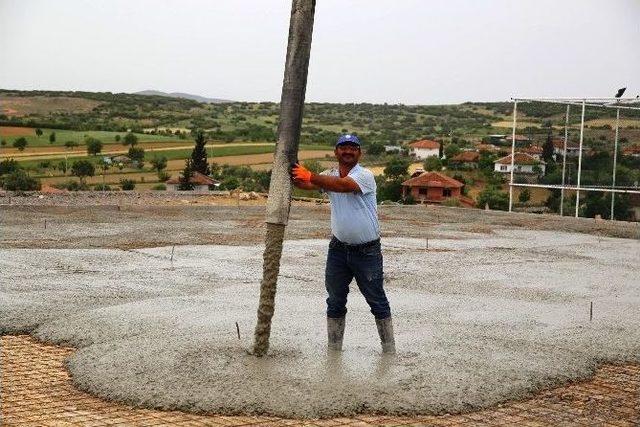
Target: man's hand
[(300, 173)]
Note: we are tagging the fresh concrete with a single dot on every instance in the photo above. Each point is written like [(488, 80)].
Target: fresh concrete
[(479, 319)]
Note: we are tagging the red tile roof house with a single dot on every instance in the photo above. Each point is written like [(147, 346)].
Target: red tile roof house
[(520, 139), (524, 165), (424, 148), (486, 147), (200, 182), (465, 160), (573, 148), (434, 187), (534, 151), (633, 151)]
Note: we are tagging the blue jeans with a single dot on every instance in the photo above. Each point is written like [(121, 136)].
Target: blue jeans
[(364, 262)]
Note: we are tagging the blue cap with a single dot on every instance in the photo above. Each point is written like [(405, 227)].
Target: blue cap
[(348, 139)]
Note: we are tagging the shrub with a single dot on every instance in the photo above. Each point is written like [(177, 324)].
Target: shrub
[(83, 169), (159, 187), (8, 166), (20, 143), (524, 196), (495, 198), (163, 176), (127, 184), (94, 146), (72, 185), (409, 200), (130, 139), (102, 187), (19, 180), (432, 163)]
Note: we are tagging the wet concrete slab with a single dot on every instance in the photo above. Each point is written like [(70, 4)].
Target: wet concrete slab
[(479, 319)]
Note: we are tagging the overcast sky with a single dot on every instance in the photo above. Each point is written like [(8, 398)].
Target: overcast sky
[(402, 51)]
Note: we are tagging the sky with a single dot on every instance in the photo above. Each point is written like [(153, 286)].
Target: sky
[(402, 51)]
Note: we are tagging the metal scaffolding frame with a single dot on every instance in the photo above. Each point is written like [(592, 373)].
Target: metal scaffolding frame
[(616, 103)]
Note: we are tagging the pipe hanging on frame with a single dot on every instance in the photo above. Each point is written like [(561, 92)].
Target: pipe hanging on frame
[(513, 145), (615, 161), (580, 159), (564, 158)]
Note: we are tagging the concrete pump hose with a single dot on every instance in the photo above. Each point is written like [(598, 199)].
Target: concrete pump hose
[(271, 268)]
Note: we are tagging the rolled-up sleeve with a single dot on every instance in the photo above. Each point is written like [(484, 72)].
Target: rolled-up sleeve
[(364, 178)]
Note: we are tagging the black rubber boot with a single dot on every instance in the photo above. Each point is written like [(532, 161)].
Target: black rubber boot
[(335, 333), (385, 331)]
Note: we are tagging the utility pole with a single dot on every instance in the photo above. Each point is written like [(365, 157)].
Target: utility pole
[(279, 202)]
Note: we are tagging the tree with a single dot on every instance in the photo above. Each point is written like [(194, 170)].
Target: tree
[(94, 146), (38, 132), (441, 150), (451, 150), (495, 198), (52, 137), (375, 149), (389, 189), (117, 138), (136, 154), (71, 144), (62, 165), (19, 180), (104, 164), (524, 196), (8, 166), (83, 169), (127, 184), (158, 163), (432, 163), (130, 139), (485, 162), (547, 148), (185, 176), (20, 143), (199, 155), (396, 168)]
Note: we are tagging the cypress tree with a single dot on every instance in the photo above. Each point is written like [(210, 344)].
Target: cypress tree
[(547, 148), (199, 155), (187, 173)]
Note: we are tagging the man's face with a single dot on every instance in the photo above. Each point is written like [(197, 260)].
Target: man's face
[(348, 154)]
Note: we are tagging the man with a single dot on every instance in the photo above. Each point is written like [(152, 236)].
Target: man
[(354, 250)]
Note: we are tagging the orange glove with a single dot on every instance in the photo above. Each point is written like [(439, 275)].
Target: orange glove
[(300, 173)]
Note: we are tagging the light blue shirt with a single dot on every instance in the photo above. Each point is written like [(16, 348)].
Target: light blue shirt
[(354, 216)]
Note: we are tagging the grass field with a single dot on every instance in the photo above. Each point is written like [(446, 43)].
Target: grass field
[(10, 134), (40, 105)]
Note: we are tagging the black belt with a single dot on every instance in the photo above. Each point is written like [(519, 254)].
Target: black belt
[(355, 247)]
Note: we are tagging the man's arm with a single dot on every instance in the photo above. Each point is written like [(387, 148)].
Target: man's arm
[(307, 180), (335, 183), (305, 185)]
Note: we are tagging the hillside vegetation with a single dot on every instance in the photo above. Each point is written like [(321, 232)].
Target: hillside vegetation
[(149, 137)]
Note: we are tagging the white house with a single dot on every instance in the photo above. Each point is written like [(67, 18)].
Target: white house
[(200, 182), (523, 164), (392, 149), (424, 148)]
